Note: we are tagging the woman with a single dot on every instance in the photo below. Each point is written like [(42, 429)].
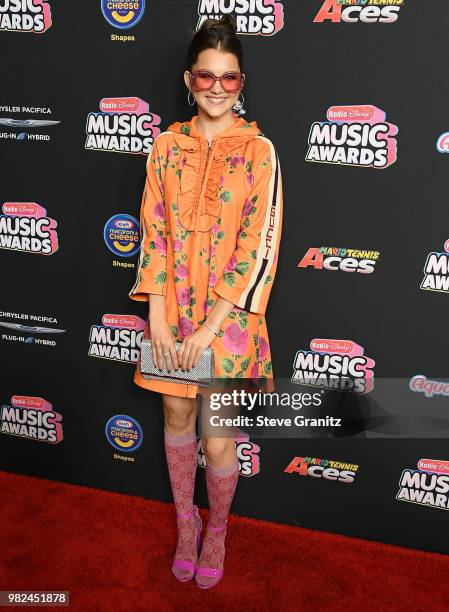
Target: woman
[(211, 217)]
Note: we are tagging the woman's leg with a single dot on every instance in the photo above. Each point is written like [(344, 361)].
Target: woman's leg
[(182, 452), (222, 473)]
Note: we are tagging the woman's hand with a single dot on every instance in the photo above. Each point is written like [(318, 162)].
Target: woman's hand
[(162, 339), (193, 346)]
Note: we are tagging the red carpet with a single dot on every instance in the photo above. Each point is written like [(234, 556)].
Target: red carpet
[(113, 552)]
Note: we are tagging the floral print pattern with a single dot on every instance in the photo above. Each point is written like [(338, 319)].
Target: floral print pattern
[(211, 223)]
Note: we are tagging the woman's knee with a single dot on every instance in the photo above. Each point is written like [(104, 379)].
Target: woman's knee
[(216, 448), (179, 413)]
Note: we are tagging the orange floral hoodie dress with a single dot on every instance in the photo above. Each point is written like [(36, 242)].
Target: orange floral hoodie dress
[(211, 220)]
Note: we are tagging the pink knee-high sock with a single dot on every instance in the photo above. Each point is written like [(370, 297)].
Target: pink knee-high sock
[(182, 455), (221, 484)]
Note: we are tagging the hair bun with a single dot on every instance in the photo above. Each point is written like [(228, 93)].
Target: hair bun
[(218, 34), (227, 22)]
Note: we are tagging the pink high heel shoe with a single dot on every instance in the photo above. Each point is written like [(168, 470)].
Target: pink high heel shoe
[(210, 572), (181, 564)]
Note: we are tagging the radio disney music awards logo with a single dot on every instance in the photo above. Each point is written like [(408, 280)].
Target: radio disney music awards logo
[(359, 11), (443, 143), (32, 418), (334, 364), (329, 469), (124, 125), (31, 333), (436, 271), (25, 16), (340, 259), (124, 433), (428, 485), (355, 135), (118, 338), (264, 17), (25, 227), (429, 388), (123, 14), (30, 125), (247, 455), (122, 235)]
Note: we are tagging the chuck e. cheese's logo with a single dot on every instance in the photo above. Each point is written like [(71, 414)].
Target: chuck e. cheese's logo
[(123, 14), (32, 418), (118, 338), (334, 364), (124, 125), (359, 11), (436, 271), (25, 226), (343, 259), (353, 136), (32, 16), (264, 17)]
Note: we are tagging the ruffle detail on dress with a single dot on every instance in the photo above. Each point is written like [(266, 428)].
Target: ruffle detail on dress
[(193, 213)]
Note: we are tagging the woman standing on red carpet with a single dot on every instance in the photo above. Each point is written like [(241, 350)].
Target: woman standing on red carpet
[(211, 218)]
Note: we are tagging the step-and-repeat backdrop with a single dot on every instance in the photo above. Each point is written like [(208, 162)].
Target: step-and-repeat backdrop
[(354, 95)]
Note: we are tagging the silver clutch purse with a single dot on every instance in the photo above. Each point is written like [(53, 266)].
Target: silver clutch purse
[(201, 374)]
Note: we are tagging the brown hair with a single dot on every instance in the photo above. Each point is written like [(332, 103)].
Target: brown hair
[(215, 33)]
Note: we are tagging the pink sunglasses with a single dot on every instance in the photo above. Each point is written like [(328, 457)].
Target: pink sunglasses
[(202, 80)]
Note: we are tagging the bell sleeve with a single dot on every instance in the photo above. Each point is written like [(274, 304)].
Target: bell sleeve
[(151, 275), (248, 276)]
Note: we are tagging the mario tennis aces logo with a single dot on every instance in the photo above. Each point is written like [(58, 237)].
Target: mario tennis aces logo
[(265, 17), (353, 136), (355, 11), (346, 260), (25, 16), (323, 468), (334, 364)]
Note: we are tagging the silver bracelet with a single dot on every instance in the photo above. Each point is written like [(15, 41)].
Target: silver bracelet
[(211, 329)]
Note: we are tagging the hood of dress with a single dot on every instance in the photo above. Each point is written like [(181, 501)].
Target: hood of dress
[(195, 215), (188, 137)]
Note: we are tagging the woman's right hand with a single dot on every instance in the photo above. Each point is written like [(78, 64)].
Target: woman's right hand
[(162, 339)]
